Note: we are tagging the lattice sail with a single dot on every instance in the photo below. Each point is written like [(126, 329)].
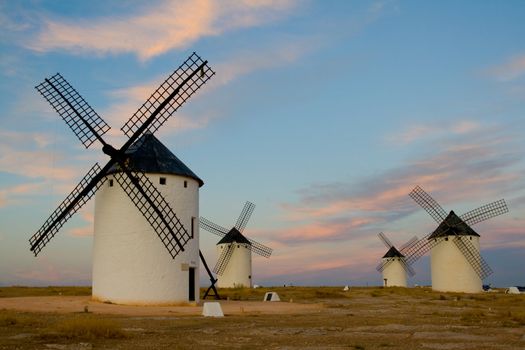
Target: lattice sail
[(428, 203), (224, 259), (485, 212), (260, 249), (245, 216), (419, 248), (385, 240), (473, 257), (178, 87), (75, 111), (155, 209), (212, 227), (80, 195)]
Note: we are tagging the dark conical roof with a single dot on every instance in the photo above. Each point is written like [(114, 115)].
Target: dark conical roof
[(149, 155), (453, 226), (393, 253), (234, 236)]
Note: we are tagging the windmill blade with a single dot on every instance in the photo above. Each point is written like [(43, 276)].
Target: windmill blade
[(155, 209), (260, 249), (212, 227), (76, 112), (485, 212), (385, 240), (409, 270), (169, 96), (224, 259), (80, 195), (383, 264), (429, 204), (473, 257), (245, 216), (421, 247), (409, 243)]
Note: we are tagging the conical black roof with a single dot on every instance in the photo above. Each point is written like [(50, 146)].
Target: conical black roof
[(453, 226), (149, 155), (393, 253), (234, 236)]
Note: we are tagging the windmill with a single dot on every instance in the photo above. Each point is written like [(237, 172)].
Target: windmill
[(456, 263), (234, 265), (144, 269), (393, 264)]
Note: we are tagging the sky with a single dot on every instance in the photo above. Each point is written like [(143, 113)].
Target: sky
[(325, 114)]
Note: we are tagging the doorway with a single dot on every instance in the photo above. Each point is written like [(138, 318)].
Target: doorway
[(191, 279)]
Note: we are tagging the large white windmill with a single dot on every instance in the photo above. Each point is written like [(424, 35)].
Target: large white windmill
[(393, 265), (144, 253), (234, 250), (455, 260)]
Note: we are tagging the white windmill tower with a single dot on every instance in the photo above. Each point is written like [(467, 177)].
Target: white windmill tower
[(393, 265), (456, 263), (130, 264), (234, 265)]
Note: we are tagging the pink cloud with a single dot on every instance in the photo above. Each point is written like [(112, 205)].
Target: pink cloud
[(512, 69), (83, 231), (426, 132), (167, 25)]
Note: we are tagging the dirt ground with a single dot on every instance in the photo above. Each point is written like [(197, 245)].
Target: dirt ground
[(317, 318)]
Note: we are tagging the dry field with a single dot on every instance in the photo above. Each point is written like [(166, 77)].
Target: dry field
[(307, 318)]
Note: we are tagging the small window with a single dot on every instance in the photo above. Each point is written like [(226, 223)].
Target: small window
[(162, 181), (110, 182), (192, 227), (185, 184), (238, 246)]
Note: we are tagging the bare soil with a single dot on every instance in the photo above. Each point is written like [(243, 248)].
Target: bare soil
[(307, 318)]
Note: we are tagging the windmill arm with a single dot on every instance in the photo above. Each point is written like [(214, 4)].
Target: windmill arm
[(87, 125), (168, 97), (244, 216), (223, 260), (212, 227), (260, 249), (385, 240), (473, 257), (80, 195), (485, 212), (155, 209), (428, 203)]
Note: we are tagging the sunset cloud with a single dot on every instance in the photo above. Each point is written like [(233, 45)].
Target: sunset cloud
[(153, 31), (512, 69), (460, 171)]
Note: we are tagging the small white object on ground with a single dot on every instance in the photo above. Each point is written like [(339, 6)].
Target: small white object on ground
[(271, 296), (212, 309), (346, 288)]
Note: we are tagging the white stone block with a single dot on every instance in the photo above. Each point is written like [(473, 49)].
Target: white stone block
[(212, 309), (271, 296)]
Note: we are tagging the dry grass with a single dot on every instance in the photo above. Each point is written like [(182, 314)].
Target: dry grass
[(20, 291), (85, 327), (362, 318)]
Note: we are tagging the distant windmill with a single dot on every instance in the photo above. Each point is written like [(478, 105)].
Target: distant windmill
[(393, 265), (129, 264), (234, 265), (456, 263)]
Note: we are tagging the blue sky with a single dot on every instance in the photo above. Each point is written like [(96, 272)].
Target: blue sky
[(324, 114)]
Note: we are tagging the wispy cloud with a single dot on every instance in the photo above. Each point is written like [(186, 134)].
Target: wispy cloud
[(165, 26), (125, 101), (87, 230), (460, 170), (430, 131), (512, 69)]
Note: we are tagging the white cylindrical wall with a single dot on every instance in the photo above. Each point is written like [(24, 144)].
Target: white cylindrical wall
[(451, 272), (238, 272), (394, 274), (131, 265)]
